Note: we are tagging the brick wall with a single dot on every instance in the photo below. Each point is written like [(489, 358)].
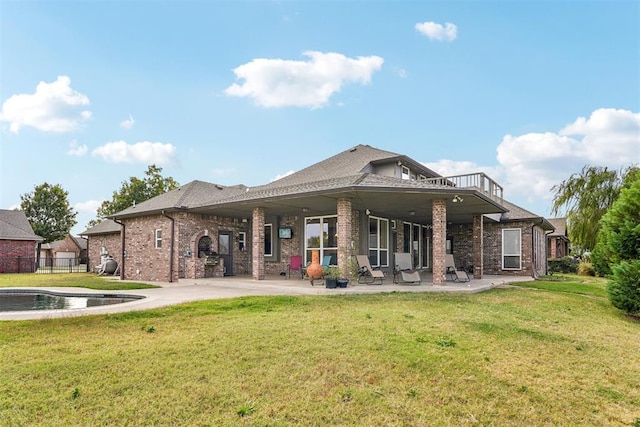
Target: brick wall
[(111, 241), (493, 248), (11, 250), (67, 245)]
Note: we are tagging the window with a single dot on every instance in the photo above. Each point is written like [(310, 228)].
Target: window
[(321, 234), (406, 173), (511, 245), (268, 239), (242, 241), (158, 238), (378, 242)]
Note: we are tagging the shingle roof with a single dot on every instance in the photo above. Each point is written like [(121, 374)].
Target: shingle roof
[(516, 213), (560, 224), (15, 226), (106, 226), (352, 161), (195, 193)]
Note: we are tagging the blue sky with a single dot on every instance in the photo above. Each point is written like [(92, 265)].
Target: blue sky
[(244, 92)]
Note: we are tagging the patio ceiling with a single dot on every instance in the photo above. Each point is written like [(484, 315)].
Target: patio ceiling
[(411, 206)]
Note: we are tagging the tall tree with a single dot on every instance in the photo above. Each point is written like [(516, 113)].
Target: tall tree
[(48, 210), (136, 190), (618, 249), (585, 197)]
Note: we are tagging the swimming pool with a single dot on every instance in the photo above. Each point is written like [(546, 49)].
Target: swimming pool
[(38, 299)]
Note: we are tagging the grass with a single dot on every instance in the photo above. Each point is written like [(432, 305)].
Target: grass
[(82, 280), (572, 283), (512, 356)]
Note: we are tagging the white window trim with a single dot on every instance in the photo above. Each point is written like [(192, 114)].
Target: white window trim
[(519, 254), (385, 262), (322, 248), (270, 253), (157, 235), (407, 174), (242, 241)]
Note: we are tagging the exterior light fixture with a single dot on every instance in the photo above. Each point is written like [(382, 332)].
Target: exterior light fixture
[(368, 212), (457, 199)]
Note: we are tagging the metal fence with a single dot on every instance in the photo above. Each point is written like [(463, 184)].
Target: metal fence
[(46, 265)]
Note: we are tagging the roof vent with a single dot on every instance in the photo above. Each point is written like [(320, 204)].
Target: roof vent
[(353, 149)]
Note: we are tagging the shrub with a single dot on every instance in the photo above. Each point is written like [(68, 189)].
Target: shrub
[(618, 248), (624, 287), (586, 269), (565, 264)]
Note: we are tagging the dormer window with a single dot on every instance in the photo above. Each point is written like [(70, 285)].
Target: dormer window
[(406, 173)]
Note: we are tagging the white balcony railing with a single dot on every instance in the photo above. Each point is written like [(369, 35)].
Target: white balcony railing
[(477, 181)]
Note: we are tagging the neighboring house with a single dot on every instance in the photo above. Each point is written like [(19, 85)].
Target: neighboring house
[(58, 252), (18, 243), (558, 240), (361, 201)]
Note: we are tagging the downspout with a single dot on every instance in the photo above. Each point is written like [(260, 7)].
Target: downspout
[(173, 225), (122, 255)]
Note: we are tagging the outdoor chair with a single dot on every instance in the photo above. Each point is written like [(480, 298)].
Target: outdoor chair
[(403, 271), (295, 264), (366, 274), (457, 275)]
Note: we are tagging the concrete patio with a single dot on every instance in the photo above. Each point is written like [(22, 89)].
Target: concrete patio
[(231, 287)]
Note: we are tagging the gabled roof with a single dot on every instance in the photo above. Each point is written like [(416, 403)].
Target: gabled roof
[(195, 193), (516, 213), (106, 226), (350, 162), (15, 226), (560, 224)]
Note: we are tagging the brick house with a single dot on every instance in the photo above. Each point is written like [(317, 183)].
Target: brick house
[(18, 243), (361, 201), (558, 241), (71, 247)]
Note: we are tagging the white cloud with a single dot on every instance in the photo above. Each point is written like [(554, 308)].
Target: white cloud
[(281, 83), (435, 31), (534, 162), (77, 150), (446, 167), (89, 206), (54, 107), (140, 152), (283, 175), (128, 123)]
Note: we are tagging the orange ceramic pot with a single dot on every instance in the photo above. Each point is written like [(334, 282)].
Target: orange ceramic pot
[(314, 270)]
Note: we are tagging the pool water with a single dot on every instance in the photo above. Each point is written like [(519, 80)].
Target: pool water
[(41, 300)]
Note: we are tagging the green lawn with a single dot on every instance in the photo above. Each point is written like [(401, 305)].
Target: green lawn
[(84, 280), (511, 356)]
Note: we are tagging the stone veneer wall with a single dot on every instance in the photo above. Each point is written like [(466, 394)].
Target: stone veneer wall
[(191, 227)]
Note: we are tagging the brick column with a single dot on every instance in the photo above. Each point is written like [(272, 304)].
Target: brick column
[(257, 248), (344, 235), (439, 222), (478, 253)]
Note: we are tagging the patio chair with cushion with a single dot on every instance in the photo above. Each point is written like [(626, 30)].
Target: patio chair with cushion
[(403, 271), (366, 274), (457, 275)]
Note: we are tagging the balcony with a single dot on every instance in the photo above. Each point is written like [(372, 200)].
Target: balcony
[(474, 181)]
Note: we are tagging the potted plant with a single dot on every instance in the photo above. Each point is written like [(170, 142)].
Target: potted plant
[(331, 275)]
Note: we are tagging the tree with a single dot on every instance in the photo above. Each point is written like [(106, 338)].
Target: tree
[(586, 197), (136, 190), (48, 210), (618, 248)]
